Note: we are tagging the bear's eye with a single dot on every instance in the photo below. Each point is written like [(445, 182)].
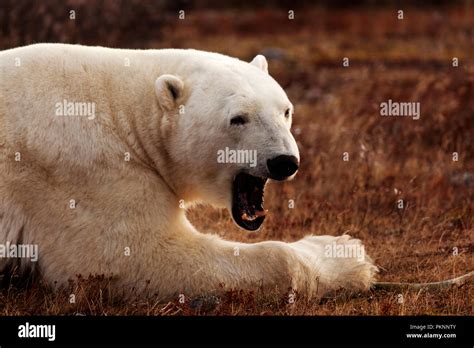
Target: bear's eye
[(238, 120), (287, 113)]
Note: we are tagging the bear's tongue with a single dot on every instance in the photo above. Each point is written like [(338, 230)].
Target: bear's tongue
[(249, 211), (251, 203)]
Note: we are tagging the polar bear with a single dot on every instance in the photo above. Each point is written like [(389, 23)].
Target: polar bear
[(101, 148)]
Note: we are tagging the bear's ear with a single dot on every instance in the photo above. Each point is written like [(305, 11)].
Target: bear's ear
[(260, 62), (168, 89)]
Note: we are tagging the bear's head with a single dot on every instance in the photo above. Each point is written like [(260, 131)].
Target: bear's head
[(226, 129)]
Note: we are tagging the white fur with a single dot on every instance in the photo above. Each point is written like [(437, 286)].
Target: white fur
[(136, 203)]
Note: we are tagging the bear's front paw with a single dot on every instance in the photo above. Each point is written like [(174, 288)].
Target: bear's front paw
[(334, 263)]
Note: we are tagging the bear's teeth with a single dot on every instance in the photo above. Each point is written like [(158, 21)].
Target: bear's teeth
[(247, 217), (257, 214)]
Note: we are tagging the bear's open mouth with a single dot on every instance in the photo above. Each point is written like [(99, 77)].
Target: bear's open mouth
[(247, 201)]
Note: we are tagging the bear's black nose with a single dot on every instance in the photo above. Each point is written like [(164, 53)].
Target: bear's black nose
[(281, 167)]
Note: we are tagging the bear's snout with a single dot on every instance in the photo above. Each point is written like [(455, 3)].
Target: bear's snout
[(282, 167)]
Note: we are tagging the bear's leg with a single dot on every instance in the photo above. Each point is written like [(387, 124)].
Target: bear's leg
[(200, 264)]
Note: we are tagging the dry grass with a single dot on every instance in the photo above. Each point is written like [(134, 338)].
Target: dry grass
[(337, 110)]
